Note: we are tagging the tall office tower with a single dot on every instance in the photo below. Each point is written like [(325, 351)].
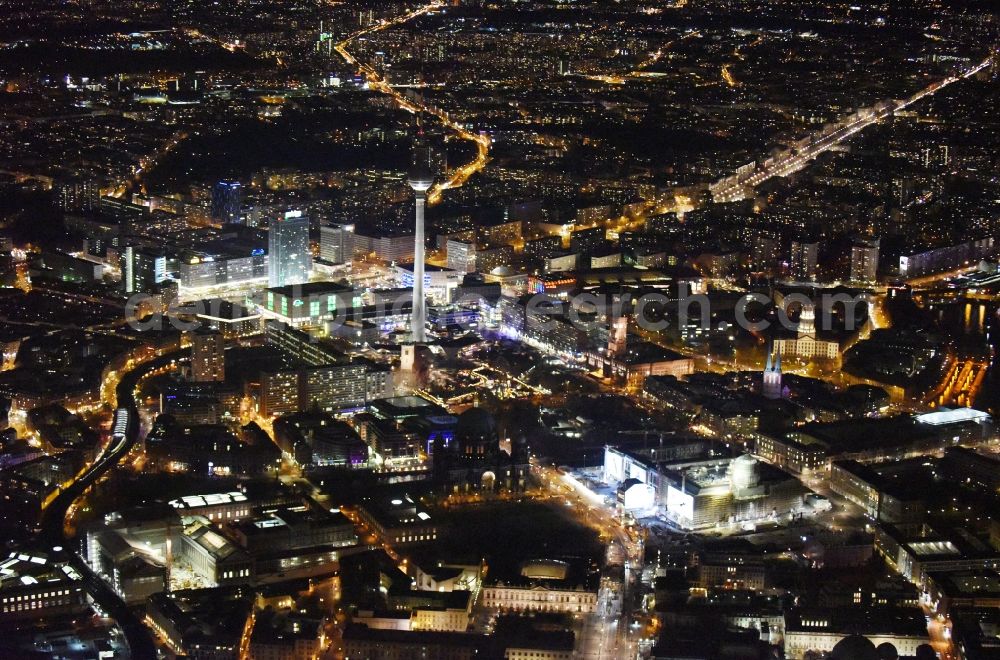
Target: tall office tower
[(208, 356), (864, 260), (938, 155), (763, 254), (804, 260), (288, 257), (420, 179), (142, 269), (336, 243), (461, 256), (227, 201)]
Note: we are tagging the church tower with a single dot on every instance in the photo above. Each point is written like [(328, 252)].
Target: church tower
[(772, 376), (807, 321), (618, 336)]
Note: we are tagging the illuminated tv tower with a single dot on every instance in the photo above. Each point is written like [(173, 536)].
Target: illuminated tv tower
[(420, 179)]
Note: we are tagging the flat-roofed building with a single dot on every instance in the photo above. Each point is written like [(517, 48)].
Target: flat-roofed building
[(506, 232), (286, 637), (399, 520), (389, 248), (796, 452), (971, 466), (336, 243), (820, 629), (294, 528), (279, 393), (311, 303), (557, 261), (731, 570), (916, 550), (229, 506), (950, 257), (233, 320), (214, 557), (299, 346), (804, 260), (488, 259), (208, 356), (329, 388), (542, 248), (440, 284), (976, 589), (364, 643), (857, 483), (461, 256), (200, 272), (36, 585), (208, 624)]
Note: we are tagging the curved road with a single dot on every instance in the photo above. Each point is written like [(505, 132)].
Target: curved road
[(461, 174), (125, 433)]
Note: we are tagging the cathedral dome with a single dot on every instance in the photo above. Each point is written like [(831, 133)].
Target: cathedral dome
[(476, 433), (854, 647), (887, 651), (476, 421)]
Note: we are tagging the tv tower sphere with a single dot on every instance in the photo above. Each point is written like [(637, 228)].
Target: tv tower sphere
[(420, 177)]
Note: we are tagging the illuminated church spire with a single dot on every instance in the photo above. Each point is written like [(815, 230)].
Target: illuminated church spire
[(772, 375)]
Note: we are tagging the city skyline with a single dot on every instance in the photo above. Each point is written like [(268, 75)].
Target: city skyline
[(531, 330)]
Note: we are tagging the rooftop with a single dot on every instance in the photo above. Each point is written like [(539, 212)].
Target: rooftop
[(397, 511), (26, 568), (954, 416), (211, 541), (212, 499), (861, 621), (428, 268), (213, 617), (646, 353), (310, 289)]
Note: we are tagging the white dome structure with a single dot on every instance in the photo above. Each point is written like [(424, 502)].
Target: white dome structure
[(501, 271), (744, 473)]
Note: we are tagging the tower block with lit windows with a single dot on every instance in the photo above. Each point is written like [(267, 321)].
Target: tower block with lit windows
[(420, 179)]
